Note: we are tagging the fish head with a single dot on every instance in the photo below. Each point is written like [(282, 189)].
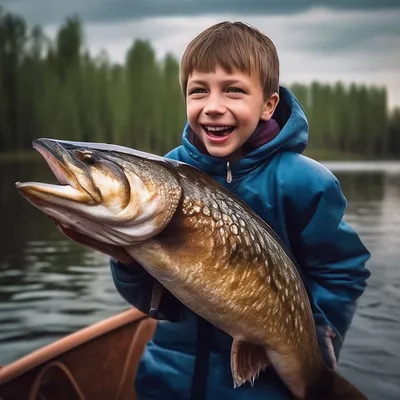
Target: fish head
[(113, 195)]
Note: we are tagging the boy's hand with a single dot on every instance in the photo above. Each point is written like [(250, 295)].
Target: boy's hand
[(325, 335), (118, 253)]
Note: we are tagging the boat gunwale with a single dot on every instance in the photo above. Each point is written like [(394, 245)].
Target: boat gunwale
[(67, 343)]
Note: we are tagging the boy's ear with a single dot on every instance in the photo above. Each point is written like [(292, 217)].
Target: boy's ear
[(269, 107)]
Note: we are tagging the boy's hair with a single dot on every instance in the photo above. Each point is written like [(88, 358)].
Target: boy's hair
[(232, 46)]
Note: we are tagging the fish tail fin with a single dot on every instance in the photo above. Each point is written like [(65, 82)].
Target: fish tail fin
[(345, 390), (335, 387)]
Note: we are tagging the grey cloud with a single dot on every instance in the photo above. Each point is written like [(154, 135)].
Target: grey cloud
[(342, 37), (54, 11)]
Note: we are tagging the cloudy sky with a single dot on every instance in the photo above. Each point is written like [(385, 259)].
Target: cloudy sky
[(347, 40)]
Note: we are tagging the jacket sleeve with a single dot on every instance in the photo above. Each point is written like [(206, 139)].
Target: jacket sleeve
[(135, 285), (329, 252)]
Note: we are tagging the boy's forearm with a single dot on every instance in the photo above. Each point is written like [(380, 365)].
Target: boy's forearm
[(135, 285), (337, 285), (335, 302)]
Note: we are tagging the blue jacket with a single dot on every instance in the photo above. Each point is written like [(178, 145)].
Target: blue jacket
[(302, 201)]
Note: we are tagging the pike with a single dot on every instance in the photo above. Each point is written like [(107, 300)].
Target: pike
[(204, 245)]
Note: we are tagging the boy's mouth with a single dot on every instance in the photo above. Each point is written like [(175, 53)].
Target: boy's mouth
[(218, 130)]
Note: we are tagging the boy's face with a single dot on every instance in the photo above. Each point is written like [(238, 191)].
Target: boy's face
[(224, 109)]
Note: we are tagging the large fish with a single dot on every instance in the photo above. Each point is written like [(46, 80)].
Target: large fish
[(207, 247)]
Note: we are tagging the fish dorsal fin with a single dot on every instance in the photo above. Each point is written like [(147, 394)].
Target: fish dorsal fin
[(247, 361)]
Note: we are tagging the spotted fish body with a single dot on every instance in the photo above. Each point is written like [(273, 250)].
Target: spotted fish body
[(207, 247), (224, 263)]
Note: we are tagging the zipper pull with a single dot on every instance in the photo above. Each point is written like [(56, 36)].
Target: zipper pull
[(228, 172)]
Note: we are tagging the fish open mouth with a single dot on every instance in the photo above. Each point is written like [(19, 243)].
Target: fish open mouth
[(63, 174), (69, 186)]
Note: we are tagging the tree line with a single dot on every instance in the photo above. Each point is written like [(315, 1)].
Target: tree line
[(56, 88)]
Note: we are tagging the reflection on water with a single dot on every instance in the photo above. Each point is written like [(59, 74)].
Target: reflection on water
[(50, 286)]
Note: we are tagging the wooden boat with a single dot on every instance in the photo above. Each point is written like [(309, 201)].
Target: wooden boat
[(97, 362)]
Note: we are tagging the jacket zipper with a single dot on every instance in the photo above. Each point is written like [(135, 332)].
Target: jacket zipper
[(228, 172)]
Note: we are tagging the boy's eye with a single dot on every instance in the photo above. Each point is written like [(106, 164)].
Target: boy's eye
[(197, 90), (235, 90)]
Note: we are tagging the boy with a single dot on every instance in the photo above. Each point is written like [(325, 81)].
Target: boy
[(248, 133)]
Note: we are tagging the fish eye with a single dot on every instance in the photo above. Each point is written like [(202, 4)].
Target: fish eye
[(88, 158)]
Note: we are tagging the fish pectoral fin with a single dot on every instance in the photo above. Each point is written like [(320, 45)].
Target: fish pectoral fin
[(247, 361)]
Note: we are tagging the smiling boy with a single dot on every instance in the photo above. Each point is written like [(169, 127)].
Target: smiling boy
[(224, 109), (248, 133)]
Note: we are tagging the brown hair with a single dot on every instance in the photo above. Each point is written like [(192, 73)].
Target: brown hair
[(232, 46)]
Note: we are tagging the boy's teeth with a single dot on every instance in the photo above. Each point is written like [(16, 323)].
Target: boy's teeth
[(217, 128)]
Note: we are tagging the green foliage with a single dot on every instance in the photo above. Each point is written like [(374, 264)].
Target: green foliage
[(57, 89), (349, 120)]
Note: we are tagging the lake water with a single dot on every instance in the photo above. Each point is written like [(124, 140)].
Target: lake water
[(50, 287)]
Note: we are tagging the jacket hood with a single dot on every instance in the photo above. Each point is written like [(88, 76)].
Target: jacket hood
[(292, 136)]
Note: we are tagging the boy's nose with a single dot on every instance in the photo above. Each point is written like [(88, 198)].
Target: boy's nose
[(214, 106)]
